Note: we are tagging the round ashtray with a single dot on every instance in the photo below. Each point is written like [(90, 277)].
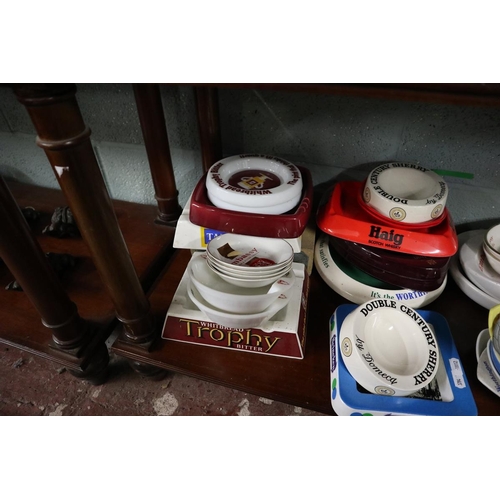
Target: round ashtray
[(253, 181), (406, 192)]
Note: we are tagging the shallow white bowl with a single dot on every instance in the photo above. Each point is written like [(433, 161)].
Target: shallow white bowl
[(246, 282), (247, 270), (406, 192), (477, 268), (273, 209), (492, 238), (492, 257), (242, 251), (236, 273), (225, 296), (232, 320), (253, 172), (357, 292), (388, 348)]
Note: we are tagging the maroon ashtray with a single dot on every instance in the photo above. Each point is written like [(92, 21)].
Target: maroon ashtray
[(289, 225), (404, 270)]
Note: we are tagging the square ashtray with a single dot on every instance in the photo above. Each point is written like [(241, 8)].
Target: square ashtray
[(342, 215), (449, 394)]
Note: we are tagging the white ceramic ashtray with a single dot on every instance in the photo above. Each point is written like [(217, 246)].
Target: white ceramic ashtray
[(241, 300), (477, 268), (449, 394), (491, 246), (250, 253), (343, 280), (458, 274), (406, 192), (254, 181), (388, 348), (233, 320), (274, 209)]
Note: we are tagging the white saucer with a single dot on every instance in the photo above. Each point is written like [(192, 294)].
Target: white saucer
[(472, 291), (477, 268)]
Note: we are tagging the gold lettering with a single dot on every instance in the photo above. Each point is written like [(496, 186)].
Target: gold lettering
[(271, 344), (216, 330), (230, 340), (251, 335)]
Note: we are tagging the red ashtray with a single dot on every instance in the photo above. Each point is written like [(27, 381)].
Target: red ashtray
[(289, 225), (341, 215)]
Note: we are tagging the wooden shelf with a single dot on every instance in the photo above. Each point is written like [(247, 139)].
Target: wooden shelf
[(304, 382), (478, 94), (149, 245)]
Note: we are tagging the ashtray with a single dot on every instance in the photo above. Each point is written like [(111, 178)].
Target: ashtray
[(342, 215), (449, 393), (289, 225)]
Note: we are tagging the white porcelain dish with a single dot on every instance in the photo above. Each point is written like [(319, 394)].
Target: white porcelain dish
[(492, 238), (252, 253), (477, 268), (274, 209), (357, 292), (492, 257), (258, 265), (236, 273), (388, 348), (406, 192), (258, 268), (472, 291), (225, 296), (246, 282), (232, 320), (491, 245), (254, 180)]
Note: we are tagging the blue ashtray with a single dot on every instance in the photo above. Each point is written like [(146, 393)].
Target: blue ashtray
[(449, 393)]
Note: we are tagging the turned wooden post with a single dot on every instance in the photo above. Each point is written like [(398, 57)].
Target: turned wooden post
[(26, 261), (154, 131), (65, 139), (207, 107)]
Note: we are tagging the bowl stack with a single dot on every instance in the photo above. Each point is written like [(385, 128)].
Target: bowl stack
[(476, 268), (390, 234), (241, 281)]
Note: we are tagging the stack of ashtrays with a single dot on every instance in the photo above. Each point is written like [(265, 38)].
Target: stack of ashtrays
[(390, 236)]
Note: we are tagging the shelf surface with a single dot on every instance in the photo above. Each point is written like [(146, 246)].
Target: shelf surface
[(306, 382), (149, 245), (479, 94)]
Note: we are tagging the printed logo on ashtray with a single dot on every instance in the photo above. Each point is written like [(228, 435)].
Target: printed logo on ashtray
[(397, 213), (346, 346)]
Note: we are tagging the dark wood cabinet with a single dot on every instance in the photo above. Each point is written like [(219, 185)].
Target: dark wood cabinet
[(128, 271)]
